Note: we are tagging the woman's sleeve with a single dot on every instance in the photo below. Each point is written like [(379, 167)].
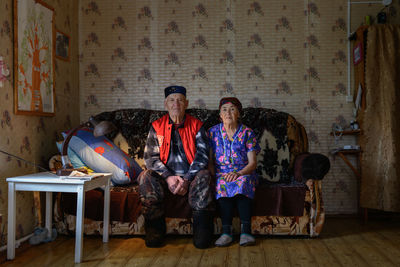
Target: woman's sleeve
[(251, 142)]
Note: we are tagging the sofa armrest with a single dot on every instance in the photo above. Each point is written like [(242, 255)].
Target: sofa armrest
[(316, 208), (311, 166)]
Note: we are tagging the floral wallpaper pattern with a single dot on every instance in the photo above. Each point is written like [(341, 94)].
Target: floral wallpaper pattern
[(286, 55), (32, 137)]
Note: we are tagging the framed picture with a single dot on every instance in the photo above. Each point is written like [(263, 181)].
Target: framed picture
[(357, 53), (34, 49), (62, 45)]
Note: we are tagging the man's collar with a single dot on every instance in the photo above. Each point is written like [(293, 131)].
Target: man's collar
[(170, 121)]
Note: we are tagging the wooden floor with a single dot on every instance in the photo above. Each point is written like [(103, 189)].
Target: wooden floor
[(344, 242)]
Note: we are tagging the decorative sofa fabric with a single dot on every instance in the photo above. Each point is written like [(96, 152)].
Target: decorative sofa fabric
[(282, 205)]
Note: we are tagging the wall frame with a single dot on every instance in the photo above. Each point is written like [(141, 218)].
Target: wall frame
[(63, 45), (34, 49)]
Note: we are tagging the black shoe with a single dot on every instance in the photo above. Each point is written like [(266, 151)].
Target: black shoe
[(155, 232), (203, 228)]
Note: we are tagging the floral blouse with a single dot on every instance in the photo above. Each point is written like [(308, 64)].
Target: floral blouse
[(231, 156)]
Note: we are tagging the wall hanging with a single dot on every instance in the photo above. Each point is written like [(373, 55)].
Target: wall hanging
[(33, 58), (62, 45)]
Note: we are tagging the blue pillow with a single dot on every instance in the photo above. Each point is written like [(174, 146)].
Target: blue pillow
[(73, 157), (102, 155)]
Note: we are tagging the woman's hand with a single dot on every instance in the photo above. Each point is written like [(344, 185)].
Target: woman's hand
[(231, 176)]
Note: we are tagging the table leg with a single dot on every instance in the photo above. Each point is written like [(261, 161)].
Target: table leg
[(106, 216), (49, 213), (80, 212), (11, 221)]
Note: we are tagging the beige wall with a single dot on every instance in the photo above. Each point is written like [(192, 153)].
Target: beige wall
[(287, 55), (33, 137)]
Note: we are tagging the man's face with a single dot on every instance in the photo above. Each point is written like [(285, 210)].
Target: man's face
[(176, 104)]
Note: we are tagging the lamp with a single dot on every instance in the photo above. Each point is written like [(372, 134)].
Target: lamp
[(100, 129)]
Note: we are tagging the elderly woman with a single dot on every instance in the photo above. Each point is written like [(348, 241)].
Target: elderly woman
[(233, 159)]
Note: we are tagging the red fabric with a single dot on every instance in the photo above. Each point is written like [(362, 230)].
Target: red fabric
[(188, 135), (298, 166), (276, 200), (232, 100), (279, 200)]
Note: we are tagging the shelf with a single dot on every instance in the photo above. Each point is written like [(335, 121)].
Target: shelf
[(342, 154), (349, 151), (348, 132)]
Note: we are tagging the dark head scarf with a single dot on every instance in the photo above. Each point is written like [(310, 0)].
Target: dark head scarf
[(175, 89), (232, 100)]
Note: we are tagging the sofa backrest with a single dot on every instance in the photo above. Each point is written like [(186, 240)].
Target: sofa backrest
[(280, 136)]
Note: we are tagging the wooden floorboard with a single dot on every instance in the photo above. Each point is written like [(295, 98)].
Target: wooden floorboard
[(252, 255), (213, 257), (274, 252), (123, 253), (191, 256), (343, 251), (324, 256), (232, 257), (343, 242)]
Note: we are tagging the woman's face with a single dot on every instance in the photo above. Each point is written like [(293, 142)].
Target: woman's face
[(229, 113)]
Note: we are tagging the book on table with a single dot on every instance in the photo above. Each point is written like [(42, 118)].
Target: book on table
[(82, 176)]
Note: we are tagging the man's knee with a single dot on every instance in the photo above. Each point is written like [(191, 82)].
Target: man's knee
[(203, 178), (201, 191), (149, 185), (148, 177)]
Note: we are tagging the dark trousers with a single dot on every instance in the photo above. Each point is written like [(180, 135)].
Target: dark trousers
[(152, 187), (227, 205)]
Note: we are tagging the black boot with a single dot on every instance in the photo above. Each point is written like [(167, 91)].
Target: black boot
[(203, 228), (155, 232)]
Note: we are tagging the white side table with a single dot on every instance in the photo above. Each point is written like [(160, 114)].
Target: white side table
[(47, 182)]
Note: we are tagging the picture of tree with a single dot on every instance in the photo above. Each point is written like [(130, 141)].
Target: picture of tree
[(34, 68)]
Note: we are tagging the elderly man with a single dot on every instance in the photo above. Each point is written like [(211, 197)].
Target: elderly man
[(176, 156)]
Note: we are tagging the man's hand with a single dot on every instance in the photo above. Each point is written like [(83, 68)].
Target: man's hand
[(173, 183), (177, 185), (183, 187), (231, 176)]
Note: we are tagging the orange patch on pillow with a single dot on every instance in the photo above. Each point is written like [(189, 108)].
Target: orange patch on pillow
[(99, 150)]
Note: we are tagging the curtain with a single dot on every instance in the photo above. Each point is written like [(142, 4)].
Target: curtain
[(380, 161)]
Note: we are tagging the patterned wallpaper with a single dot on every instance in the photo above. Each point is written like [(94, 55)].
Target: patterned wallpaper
[(286, 55), (33, 137)]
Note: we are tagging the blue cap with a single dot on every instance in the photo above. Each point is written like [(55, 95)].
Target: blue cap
[(175, 89)]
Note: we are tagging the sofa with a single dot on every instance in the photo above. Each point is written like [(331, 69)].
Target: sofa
[(286, 202)]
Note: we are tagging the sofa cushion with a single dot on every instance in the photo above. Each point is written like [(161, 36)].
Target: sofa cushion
[(102, 155), (121, 142), (273, 160), (73, 157), (279, 200), (125, 206)]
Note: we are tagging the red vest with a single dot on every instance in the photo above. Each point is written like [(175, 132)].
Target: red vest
[(187, 133)]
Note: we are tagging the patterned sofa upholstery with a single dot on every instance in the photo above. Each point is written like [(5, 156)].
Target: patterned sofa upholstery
[(283, 205)]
